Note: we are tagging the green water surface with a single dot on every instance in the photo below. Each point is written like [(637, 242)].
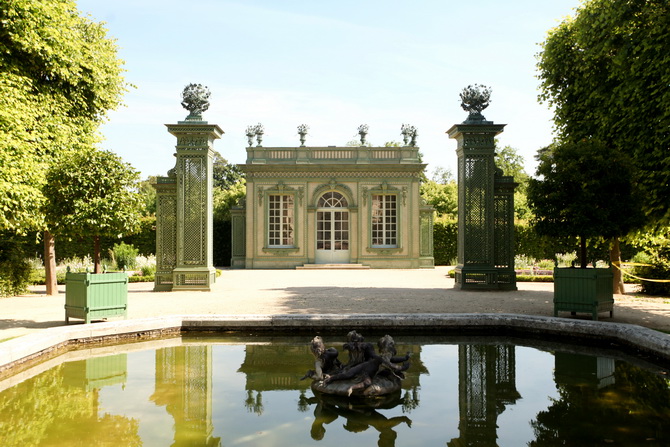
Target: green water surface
[(247, 392)]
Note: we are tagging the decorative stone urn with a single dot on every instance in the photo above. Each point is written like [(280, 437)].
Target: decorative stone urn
[(363, 132), (302, 132)]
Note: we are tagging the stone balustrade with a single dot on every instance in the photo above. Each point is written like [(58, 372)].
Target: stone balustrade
[(332, 155)]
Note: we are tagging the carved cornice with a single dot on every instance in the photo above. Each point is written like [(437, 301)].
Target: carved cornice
[(345, 174)]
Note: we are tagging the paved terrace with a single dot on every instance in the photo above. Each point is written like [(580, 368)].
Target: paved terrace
[(339, 292)]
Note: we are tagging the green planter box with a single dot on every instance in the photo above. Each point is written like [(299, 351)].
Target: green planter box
[(583, 290), (580, 369), (96, 372), (95, 295)]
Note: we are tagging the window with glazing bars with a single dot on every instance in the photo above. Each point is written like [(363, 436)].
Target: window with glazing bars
[(280, 221), (384, 220)]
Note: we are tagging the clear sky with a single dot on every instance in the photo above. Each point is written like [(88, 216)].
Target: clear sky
[(332, 65)]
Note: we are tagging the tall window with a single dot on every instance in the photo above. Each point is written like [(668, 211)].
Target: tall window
[(280, 221), (384, 220)]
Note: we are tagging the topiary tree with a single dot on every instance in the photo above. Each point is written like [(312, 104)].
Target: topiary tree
[(583, 189), (605, 73), (60, 76), (92, 194)]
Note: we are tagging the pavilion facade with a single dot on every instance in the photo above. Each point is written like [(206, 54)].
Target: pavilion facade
[(344, 206)]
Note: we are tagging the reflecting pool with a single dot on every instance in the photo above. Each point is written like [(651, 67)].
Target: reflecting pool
[(247, 392)]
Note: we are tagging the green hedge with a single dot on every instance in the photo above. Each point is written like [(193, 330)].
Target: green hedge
[(14, 267), (656, 256), (520, 278), (527, 242), (445, 240), (144, 240)]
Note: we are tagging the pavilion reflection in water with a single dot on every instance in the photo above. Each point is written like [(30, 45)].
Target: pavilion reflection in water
[(280, 367), (184, 387), (487, 384)]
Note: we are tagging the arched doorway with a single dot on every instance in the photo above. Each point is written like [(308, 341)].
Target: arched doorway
[(332, 229)]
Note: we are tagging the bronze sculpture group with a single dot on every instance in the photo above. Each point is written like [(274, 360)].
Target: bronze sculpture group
[(366, 373)]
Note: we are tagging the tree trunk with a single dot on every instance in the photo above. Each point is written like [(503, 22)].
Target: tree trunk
[(615, 260), (582, 252), (96, 255), (50, 264)]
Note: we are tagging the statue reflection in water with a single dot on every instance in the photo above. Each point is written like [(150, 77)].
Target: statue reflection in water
[(355, 390), (359, 415)]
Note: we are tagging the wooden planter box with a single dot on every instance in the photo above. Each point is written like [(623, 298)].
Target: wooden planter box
[(583, 290), (580, 369), (96, 372), (95, 295)]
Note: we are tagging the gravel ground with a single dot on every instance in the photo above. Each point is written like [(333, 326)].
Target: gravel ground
[(263, 292)]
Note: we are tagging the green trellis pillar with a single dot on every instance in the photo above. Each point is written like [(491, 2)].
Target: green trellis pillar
[(166, 231), (485, 210), (194, 269)]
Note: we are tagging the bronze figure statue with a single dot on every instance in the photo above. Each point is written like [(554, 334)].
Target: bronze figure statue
[(367, 373)]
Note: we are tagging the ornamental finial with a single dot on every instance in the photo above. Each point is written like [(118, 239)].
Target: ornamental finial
[(195, 99), (474, 99), (409, 134), (363, 133)]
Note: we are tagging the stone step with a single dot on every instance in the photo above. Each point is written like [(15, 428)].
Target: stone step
[(333, 267)]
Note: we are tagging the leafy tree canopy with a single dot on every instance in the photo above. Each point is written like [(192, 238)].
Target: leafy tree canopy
[(59, 75), (442, 197), (61, 54), (148, 193), (224, 174), (606, 73), (92, 194), (512, 164), (225, 199), (584, 189), (442, 175)]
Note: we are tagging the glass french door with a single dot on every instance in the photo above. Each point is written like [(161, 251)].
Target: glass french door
[(332, 237)]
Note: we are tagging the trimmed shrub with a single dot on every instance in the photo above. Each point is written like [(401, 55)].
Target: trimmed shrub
[(528, 244), (445, 240), (657, 258), (141, 278), (125, 256), (14, 267)]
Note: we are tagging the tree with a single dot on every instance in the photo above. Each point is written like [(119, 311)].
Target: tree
[(225, 174), (442, 175), (59, 76), (148, 195), (442, 197), (606, 72), (94, 194), (225, 199), (585, 190), (512, 164)]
